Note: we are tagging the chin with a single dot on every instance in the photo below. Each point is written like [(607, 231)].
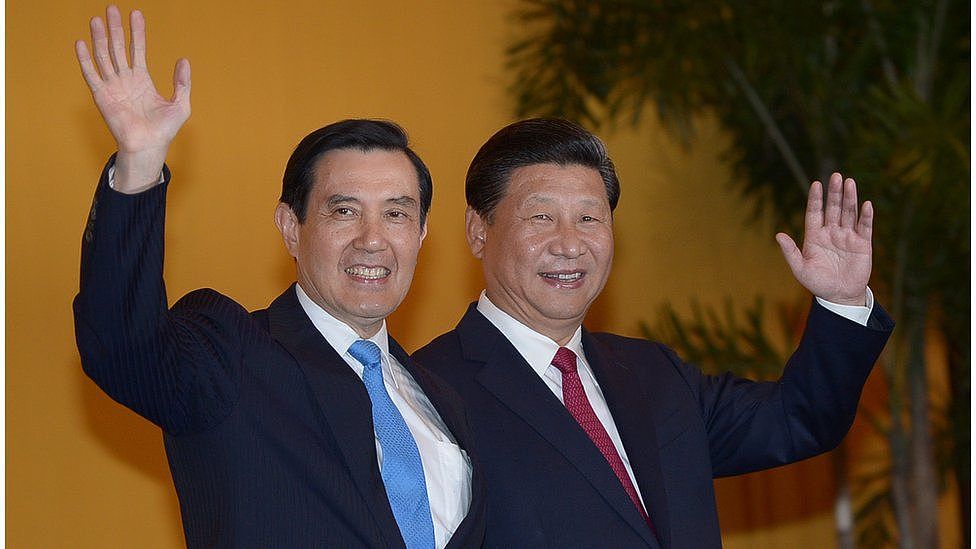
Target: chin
[(563, 313), (377, 310)]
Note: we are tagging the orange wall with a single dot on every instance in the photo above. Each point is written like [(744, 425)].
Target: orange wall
[(84, 472)]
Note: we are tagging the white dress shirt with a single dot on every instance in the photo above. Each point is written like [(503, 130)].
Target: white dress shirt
[(447, 468), (538, 350)]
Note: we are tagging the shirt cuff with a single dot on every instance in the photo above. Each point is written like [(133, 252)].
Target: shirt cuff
[(859, 314), (111, 177)]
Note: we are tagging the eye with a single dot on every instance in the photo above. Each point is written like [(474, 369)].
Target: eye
[(343, 211), (542, 217), (398, 215)]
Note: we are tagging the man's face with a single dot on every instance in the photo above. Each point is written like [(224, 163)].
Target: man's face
[(546, 253), (357, 249)]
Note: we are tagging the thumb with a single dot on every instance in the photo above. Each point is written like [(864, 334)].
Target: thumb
[(181, 81), (792, 254)]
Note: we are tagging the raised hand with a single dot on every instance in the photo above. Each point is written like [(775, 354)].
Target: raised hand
[(835, 262), (142, 122)]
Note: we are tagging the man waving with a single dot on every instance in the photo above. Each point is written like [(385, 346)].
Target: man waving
[(303, 424)]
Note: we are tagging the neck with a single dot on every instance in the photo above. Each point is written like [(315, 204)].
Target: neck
[(364, 331), (558, 330), (364, 327)]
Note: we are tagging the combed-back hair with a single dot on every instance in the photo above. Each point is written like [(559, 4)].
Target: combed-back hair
[(529, 142), (362, 134)]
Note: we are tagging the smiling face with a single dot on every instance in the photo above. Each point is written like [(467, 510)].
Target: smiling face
[(357, 248), (547, 251)]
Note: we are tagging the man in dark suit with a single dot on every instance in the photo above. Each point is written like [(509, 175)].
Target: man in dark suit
[(304, 424), (597, 440)]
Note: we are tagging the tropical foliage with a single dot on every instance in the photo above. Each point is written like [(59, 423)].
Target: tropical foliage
[(875, 88)]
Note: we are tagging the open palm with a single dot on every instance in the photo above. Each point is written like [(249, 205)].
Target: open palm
[(835, 260), (142, 122)]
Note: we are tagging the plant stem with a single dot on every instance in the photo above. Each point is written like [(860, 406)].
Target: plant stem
[(772, 128), (887, 65), (924, 484)]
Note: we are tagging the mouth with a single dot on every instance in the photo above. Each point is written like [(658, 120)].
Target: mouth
[(366, 273), (563, 279)]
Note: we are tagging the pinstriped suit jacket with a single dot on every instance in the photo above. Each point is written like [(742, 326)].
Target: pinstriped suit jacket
[(268, 432)]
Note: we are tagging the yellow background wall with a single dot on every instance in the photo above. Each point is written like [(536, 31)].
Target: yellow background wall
[(84, 472)]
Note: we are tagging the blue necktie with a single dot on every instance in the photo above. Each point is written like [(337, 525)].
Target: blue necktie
[(403, 472)]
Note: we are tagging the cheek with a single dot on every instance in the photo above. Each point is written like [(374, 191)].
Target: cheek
[(527, 246), (406, 249), (601, 245), (529, 250), (327, 246)]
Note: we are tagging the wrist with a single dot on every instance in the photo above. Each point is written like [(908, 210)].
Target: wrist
[(861, 301), (137, 171)]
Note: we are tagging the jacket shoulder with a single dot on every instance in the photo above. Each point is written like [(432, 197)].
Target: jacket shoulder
[(445, 345), (628, 345), (220, 308), (209, 299), (443, 357)]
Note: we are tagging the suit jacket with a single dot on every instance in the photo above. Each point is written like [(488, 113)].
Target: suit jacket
[(551, 486), (268, 431)]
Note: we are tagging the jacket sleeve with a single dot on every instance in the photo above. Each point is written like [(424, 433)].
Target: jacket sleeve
[(757, 425), (177, 368)]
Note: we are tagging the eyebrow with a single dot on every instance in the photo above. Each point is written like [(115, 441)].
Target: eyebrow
[(404, 201), (340, 198), (549, 200), (398, 200)]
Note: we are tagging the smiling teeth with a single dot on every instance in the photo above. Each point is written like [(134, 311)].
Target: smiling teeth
[(370, 273), (564, 277)]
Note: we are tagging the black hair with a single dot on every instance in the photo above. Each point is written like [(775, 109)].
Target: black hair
[(530, 142), (362, 134)]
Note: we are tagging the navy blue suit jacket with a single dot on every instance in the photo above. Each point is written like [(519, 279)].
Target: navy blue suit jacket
[(551, 487), (268, 431)]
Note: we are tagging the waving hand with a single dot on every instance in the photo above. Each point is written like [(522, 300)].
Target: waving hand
[(835, 261), (142, 122)]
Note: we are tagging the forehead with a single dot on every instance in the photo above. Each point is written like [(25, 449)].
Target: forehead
[(378, 174), (571, 182)]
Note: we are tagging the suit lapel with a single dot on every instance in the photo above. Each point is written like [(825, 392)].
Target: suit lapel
[(511, 380), (343, 401), (451, 411), (448, 408), (629, 408)]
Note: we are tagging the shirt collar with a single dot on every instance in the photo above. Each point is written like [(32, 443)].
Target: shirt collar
[(339, 335), (538, 350)]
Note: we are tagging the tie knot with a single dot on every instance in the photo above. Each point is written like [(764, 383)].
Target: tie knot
[(565, 360), (366, 352)]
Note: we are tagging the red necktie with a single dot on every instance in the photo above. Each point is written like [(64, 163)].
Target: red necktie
[(579, 406)]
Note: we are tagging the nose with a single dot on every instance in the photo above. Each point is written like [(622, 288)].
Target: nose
[(370, 238), (567, 242)]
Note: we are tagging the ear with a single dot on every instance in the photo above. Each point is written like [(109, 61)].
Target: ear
[(288, 224), (475, 230)]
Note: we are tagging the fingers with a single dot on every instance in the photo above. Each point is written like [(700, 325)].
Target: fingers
[(116, 36), (100, 46), (88, 69), (835, 194), (865, 225), (841, 207), (792, 254), (137, 25), (848, 211), (814, 216), (108, 45)]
